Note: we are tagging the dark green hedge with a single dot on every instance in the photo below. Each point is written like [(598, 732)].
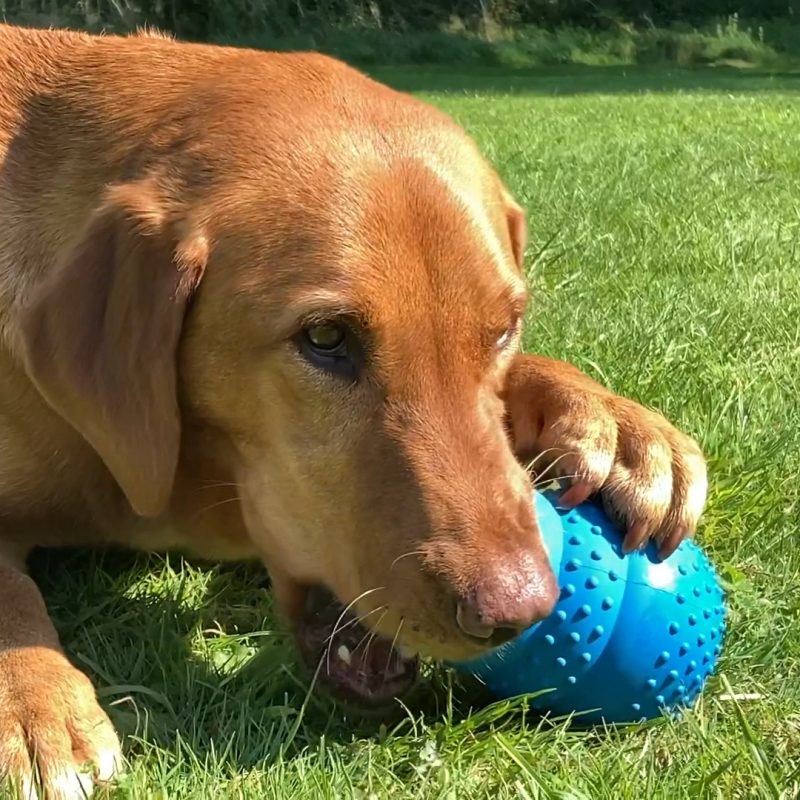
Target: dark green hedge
[(206, 19)]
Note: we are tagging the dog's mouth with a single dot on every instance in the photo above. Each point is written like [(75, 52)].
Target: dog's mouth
[(355, 664)]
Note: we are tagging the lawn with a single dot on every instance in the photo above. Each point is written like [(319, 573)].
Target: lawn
[(665, 253)]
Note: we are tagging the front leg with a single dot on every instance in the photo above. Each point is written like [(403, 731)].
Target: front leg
[(651, 477), (51, 726)]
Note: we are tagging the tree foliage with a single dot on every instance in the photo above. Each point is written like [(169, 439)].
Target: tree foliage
[(214, 18)]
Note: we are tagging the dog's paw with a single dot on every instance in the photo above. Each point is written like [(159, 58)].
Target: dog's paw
[(651, 477), (56, 743)]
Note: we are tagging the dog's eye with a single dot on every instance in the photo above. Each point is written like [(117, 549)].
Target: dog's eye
[(327, 339), (332, 347)]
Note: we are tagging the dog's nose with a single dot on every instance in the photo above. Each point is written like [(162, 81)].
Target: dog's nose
[(509, 598)]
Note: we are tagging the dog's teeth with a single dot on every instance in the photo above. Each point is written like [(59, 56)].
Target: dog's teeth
[(344, 654)]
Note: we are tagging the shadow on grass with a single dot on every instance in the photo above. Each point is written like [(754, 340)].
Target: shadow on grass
[(132, 624), (577, 80)]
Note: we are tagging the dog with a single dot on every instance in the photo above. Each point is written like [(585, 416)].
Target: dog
[(259, 306)]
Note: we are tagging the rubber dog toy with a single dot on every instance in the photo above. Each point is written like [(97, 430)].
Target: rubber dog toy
[(630, 638)]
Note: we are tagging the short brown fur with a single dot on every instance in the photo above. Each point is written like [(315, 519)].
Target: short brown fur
[(172, 216)]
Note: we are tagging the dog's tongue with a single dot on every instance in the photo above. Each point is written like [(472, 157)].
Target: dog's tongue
[(355, 664)]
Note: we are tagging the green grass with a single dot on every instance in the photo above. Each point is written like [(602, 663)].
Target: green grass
[(666, 226)]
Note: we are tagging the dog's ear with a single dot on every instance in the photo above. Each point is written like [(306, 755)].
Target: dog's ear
[(517, 227), (100, 336)]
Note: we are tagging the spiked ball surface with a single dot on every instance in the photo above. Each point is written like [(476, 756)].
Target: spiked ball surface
[(630, 638)]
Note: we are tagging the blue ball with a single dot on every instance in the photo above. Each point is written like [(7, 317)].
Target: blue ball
[(631, 637)]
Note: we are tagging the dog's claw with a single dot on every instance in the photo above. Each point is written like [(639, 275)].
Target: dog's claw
[(576, 494), (671, 542), (636, 537)]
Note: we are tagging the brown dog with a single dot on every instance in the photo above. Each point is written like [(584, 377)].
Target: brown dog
[(233, 275)]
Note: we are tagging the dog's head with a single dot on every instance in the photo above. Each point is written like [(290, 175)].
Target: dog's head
[(334, 298)]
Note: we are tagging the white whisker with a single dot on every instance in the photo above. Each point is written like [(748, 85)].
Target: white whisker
[(407, 555), (391, 649), (341, 617)]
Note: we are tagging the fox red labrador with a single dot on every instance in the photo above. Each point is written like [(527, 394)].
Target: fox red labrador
[(228, 275)]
